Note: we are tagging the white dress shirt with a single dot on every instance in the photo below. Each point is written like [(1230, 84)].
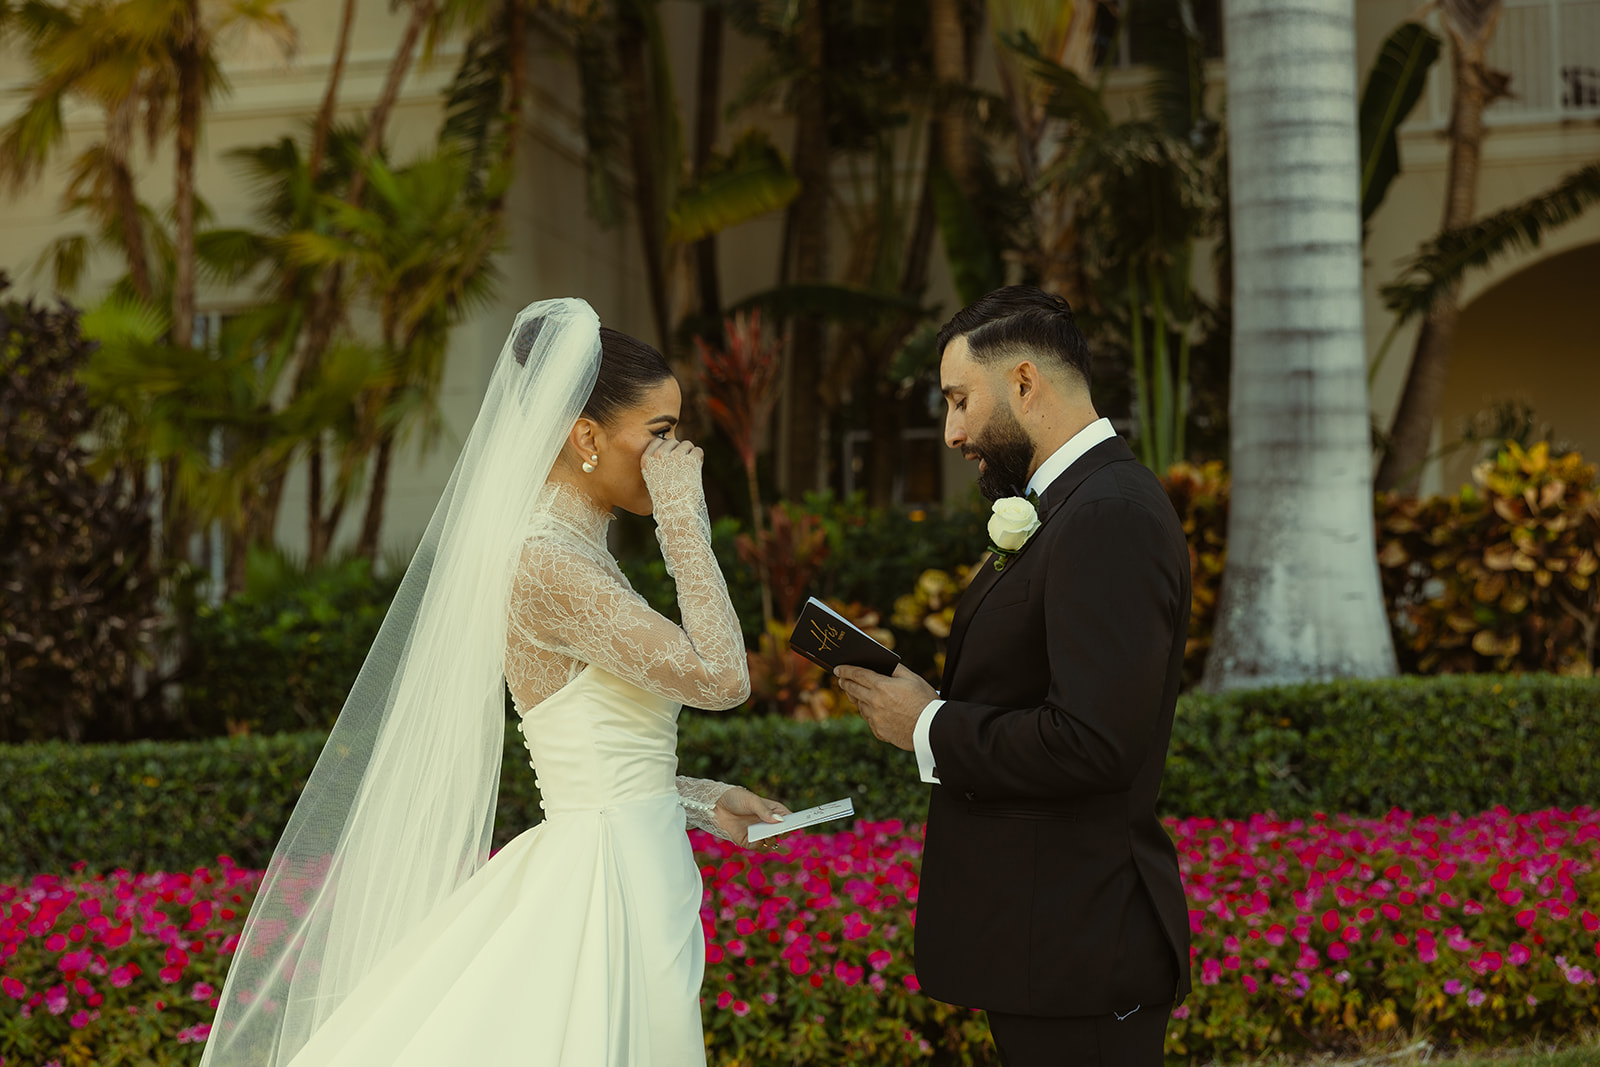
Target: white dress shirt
[(1051, 469)]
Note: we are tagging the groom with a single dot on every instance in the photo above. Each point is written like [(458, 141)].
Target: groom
[(1050, 893)]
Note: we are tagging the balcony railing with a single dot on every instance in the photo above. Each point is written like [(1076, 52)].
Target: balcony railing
[(1551, 49)]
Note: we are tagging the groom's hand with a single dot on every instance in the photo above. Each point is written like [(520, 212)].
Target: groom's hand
[(891, 704)]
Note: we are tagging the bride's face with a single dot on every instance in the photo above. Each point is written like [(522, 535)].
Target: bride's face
[(619, 477)]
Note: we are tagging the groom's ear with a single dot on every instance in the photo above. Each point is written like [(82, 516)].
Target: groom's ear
[(1025, 382)]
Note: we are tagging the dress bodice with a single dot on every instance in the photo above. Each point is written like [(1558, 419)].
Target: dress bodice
[(601, 740)]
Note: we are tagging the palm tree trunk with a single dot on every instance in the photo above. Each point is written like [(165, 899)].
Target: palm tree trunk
[(183, 281), (330, 95), (372, 521), (1411, 432), (324, 313), (1300, 597), (647, 179), (947, 40), (808, 237), (707, 107), (119, 136)]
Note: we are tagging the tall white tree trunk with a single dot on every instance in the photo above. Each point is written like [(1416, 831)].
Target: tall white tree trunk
[(1301, 599)]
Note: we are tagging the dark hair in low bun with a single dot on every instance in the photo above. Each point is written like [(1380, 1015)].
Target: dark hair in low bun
[(628, 369)]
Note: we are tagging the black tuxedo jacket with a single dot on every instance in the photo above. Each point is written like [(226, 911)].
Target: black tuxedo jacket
[(1049, 887)]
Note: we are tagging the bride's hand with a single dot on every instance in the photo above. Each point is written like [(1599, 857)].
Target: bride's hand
[(661, 456), (739, 809)]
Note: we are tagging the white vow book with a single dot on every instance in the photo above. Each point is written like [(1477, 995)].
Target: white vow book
[(834, 809)]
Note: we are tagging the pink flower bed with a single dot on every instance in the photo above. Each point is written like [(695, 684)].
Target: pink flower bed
[(1307, 933)]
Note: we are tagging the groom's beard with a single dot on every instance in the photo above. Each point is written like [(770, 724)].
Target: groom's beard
[(1007, 454)]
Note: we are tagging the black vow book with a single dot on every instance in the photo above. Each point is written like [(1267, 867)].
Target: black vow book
[(830, 640)]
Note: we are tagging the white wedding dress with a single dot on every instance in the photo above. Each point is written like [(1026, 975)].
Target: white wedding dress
[(579, 943)]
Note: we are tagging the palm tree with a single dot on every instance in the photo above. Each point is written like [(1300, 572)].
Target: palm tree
[(152, 64), (421, 248), (1300, 596), (1470, 26)]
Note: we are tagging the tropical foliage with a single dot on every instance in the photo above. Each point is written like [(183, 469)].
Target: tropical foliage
[(80, 596), (1501, 576)]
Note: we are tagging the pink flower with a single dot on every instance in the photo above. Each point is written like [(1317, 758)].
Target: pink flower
[(799, 965), (1518, 954), (1452, 987), (741, 1008), (12, 988), (855, 927), (1181, 1011), (879, 959), (55, 943), (80, 1019), (1250, 983), (195, 1034), (124, 975), (1338, 951), (55, 1000), (1476, 997), (1210, 971), (724, 1000), (75, 962), (912, 984), (201, 991)]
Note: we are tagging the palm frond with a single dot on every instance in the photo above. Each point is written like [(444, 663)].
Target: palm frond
[(29, 138), (1394, 84), (749, 181), (1176, 53), (475, 101), (1071, 98), (1443, 261), (229, 256), (65, 259)]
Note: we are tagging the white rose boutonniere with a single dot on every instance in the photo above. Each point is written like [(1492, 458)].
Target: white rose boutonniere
[(1014, 521)]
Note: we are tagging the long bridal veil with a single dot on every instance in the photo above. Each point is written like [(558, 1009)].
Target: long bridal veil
[(399, 809)]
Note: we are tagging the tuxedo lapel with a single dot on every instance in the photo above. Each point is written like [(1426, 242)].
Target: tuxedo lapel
[(1051, 503)]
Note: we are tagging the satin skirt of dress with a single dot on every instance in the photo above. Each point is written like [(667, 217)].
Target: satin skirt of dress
[(576, 945)]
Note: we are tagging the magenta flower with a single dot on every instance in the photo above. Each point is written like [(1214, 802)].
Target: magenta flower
[(55, 999), (1452, 987), (1476, 997)]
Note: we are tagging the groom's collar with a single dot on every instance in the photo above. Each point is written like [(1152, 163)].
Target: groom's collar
[(1068, 454)]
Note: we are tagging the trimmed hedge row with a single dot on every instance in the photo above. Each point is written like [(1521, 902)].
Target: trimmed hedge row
[(1464, 743)]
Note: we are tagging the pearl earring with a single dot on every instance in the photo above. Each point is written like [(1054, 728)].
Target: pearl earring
[(590, 464)]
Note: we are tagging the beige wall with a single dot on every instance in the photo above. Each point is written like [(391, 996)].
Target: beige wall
[(553, 248)]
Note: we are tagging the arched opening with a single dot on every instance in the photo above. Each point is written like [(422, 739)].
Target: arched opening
[(1530, 343)]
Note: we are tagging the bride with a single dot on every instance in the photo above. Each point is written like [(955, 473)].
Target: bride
[(381, 934)]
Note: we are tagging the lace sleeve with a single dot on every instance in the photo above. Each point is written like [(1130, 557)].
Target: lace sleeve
[(574, 604), (699, 797)]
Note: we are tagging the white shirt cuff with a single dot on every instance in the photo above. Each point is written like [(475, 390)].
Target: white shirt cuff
[(924, 747)]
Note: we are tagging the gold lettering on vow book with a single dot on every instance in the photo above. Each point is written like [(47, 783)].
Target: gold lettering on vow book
[(828, 637)]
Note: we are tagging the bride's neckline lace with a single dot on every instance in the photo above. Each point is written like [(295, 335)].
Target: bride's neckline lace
[(574, 509)]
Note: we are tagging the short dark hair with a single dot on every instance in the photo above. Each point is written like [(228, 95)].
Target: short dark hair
[(1023, 322), (628, 368)]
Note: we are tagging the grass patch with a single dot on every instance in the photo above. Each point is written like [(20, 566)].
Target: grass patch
[(1585, 1052)]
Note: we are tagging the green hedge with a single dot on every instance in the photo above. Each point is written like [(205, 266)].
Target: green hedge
[(1466, 743)]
